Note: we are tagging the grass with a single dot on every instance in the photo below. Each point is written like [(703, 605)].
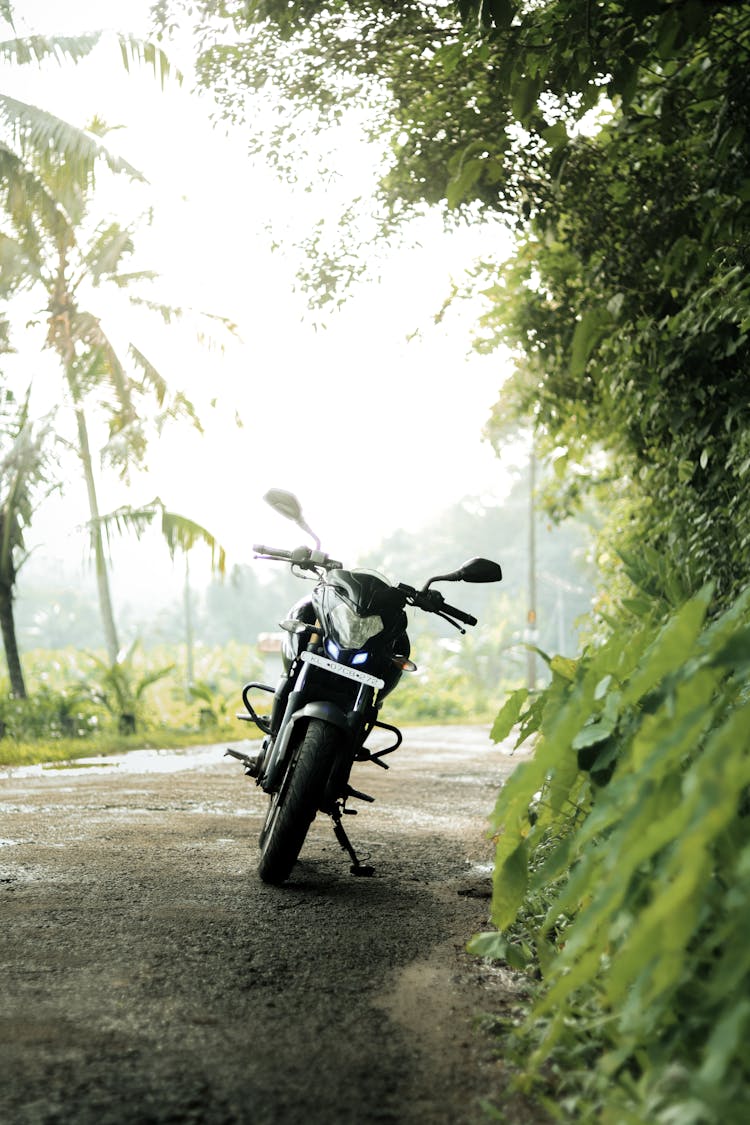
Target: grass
[(103, 745)]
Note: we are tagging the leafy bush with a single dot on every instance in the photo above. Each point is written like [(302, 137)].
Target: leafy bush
[(48, 714), (623, 867), (120, 688), (456, 680)]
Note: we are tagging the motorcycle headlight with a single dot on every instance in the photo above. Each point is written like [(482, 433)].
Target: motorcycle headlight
[(351, 630)]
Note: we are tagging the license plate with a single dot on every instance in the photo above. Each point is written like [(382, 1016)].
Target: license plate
[(342, 670)]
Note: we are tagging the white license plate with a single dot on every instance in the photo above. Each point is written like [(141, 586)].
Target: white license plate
[(342, 670)]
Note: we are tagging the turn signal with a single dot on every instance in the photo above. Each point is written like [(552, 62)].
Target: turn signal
[(404, 664)]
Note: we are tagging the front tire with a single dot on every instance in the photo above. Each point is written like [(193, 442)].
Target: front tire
[(293, 808)]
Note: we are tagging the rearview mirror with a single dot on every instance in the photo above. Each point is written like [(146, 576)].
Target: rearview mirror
[(287, 505), (480, 570), (473, 570)]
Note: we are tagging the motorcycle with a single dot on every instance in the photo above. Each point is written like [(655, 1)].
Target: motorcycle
[(344, 649)]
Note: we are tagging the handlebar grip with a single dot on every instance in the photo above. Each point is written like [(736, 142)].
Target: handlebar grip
[(274, 552), (459, 614)]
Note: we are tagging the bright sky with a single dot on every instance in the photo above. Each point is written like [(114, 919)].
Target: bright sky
[(372, 432)]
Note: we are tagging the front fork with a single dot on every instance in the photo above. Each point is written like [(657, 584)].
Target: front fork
[(356, 724)]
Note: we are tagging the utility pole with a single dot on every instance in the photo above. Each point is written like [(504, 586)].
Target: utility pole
[(532, 633)]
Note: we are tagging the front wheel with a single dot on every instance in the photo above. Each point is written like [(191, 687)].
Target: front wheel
[(293, 808)]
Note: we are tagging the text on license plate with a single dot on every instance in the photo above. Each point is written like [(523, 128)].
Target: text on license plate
[(342, 670)]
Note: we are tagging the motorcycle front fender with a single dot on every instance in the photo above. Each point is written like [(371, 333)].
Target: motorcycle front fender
[(277, 763)]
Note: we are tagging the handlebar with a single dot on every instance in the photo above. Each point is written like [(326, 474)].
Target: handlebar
[(432, 601), (271, 552), (300, 556), (451, 611)]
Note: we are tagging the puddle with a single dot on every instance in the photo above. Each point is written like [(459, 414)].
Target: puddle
[(134, 762), (481, 869), (79, 764)]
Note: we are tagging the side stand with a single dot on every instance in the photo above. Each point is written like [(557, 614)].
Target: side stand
[(357, 868)]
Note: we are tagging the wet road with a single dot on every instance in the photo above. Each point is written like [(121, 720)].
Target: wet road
[(148, 976)]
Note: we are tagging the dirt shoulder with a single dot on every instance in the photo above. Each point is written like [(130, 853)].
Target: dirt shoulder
[(148, 976)]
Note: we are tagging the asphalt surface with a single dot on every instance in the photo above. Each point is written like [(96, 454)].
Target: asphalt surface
[(148, 976)]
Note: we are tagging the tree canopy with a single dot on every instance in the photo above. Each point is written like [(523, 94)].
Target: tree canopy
[(611, 138)]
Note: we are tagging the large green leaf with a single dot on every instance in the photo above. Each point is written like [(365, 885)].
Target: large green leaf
[(670, 648), (509, 885), (588, 332), (508, 715)]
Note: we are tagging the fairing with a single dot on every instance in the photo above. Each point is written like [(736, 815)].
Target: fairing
[(371, 596)]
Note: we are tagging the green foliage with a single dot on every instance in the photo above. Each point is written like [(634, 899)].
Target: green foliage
[(66, 714), (627, 301), (623, 861), (455, 681), (120, 687), (49, 715)]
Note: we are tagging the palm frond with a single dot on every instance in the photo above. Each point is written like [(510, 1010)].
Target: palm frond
[(87, 328), (100, 128), (25, 199), (82, 375), (204, 335), (142, 53), (182, 407), (125, 520), (126, 444), (168, 313), (151, 376), (179, 531), (40, 136), (177, 406), (34, 49), (38, 48), (110, 245), (18, 269), (123, 280)]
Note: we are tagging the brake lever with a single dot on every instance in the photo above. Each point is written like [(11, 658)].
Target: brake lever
[(450, 620)]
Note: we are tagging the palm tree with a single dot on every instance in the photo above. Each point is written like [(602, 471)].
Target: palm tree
[(23, 472), (59, 259), (180, 533), (50, 246)]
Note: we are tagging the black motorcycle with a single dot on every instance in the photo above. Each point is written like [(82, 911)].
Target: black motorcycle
[(345, 648)]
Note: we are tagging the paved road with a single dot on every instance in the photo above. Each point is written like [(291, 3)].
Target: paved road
[(148, 976)]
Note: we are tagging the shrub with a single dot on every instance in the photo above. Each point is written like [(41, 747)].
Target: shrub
[(623, 866), (48, 714)]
